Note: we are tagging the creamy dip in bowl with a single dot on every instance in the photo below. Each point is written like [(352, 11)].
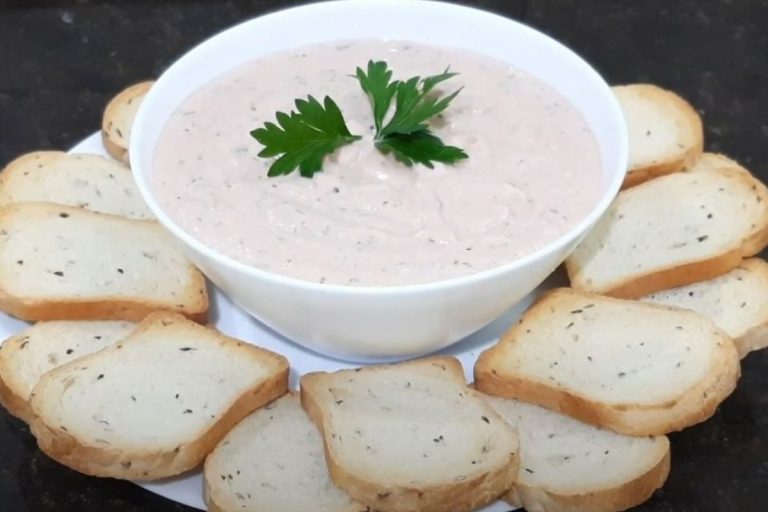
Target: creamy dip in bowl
[(370, 259)]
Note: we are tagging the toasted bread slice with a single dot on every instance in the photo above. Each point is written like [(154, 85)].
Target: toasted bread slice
[(64, 263), (567, 465), (24, 358), (672, 231), (273, 460), (117, 121), (737, 302), (155, 404), (87, 181), (715, 161), (665, 132), (411, 437), (710, 161), (632, 367)]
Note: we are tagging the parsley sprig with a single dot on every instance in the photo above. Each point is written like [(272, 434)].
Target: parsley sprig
[(407, 135), (304, 137)]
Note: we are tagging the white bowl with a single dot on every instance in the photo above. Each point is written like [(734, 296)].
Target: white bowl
[(383, 323)]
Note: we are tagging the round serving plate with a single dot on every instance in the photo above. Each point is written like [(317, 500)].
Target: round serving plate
[(231, 320)]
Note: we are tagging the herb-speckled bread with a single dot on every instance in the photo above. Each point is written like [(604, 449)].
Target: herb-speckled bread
[(737, 302), (567, 465), (710, 161), (155, 404), (273, 460), (86, 181), (24, 358), (411, 437), (633, 367), (672, 231), (64, 263), (117, 121), (665, 132)]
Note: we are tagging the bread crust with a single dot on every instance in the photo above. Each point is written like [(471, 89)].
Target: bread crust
[(114, 149), (130, 309), (754, 339), (692, 148), (473, 492), (117, 149), (671, 277), (618, 498), (13, 403), (96, 459), (691, 406)]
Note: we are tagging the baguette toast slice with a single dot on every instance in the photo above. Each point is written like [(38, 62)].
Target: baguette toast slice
[(567, 465), (709, 161), (87, 181), (665, 132), (64, 263), (273, 460), (632, 367), (24, 358), (155, 404), (117, 121), (411, 437), (672, 231), (737, 302)]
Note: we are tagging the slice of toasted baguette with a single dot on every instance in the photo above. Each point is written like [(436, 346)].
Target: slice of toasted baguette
[(710, 161), (87, 181), (737, 302), (714, 161), (273, 460), (672, 231), (411, 437), (156, 403), (117, 121), (24, 358), (632, 367), (64, 263), (665, 133), (567, 465)]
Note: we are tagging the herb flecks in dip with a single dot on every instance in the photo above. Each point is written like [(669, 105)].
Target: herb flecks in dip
[(534, 171)]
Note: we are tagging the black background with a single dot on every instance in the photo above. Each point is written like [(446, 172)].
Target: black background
[(60, 61)]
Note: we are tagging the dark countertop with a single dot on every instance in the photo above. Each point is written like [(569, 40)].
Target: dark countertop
[(60, 61)]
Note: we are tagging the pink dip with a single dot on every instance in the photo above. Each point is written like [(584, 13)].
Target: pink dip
[(534, 171)]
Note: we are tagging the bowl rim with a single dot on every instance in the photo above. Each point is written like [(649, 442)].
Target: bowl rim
[(553, 246)]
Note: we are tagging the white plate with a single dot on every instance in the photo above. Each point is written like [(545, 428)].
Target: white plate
[(231, 320)]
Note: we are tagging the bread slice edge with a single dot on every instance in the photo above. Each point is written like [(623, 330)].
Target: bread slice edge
[(115, 149), (625, 496)]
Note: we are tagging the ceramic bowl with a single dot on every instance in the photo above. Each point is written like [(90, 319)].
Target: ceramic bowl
[(383, 323)]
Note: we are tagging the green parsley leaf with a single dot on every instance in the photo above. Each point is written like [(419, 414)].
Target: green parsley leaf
[(407, 134), (303, 138), (420, 147), (378, 85)]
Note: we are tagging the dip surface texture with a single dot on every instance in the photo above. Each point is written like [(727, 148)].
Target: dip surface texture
[(534, 171)]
